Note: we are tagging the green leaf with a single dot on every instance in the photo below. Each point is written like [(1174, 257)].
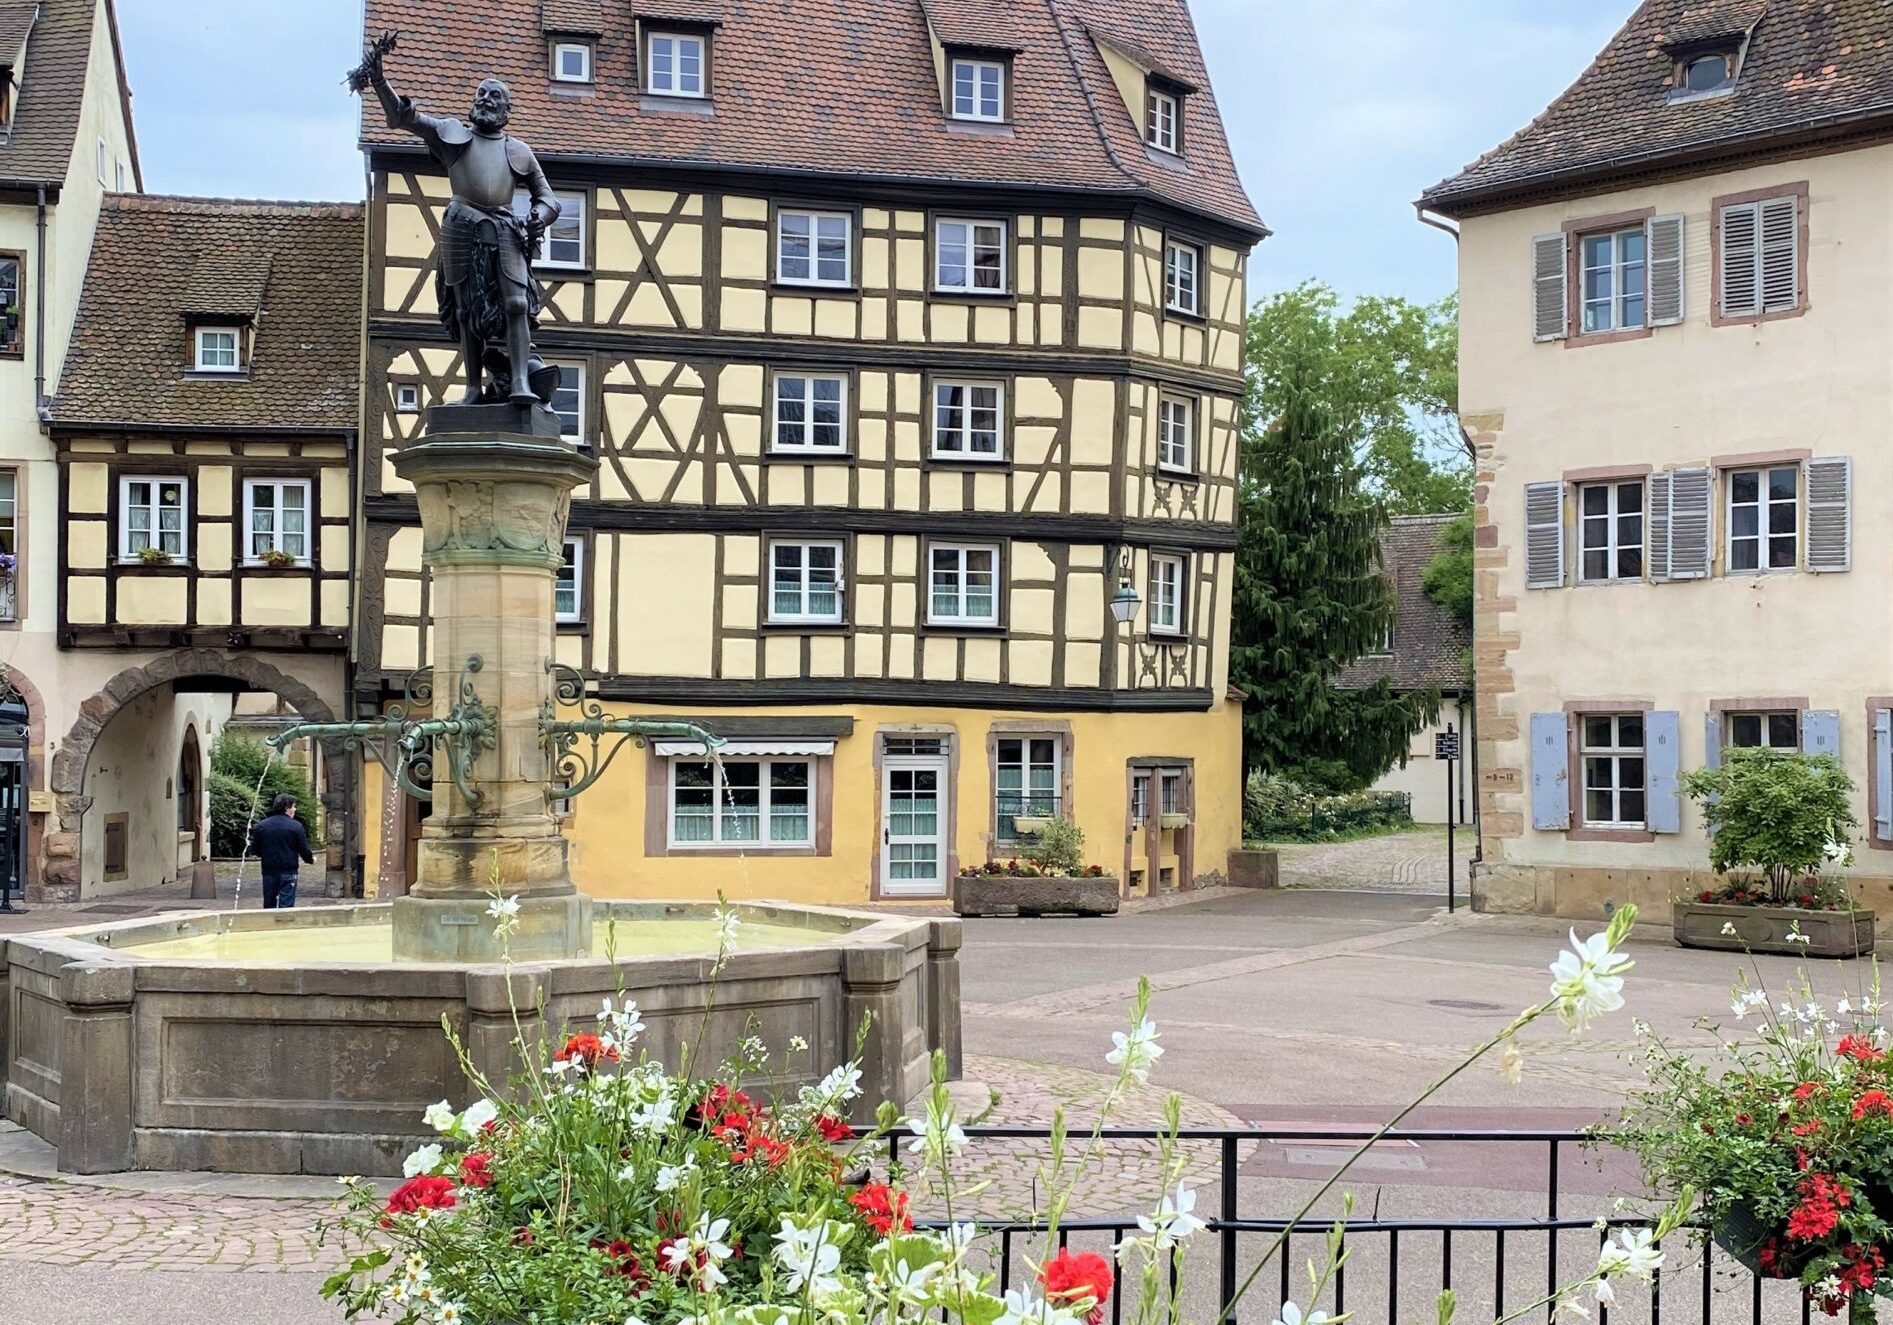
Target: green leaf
[(361, 1265)]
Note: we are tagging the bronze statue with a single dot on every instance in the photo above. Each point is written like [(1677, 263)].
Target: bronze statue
[(488, 297)]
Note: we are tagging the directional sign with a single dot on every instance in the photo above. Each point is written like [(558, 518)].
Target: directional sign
[(1446, 745)]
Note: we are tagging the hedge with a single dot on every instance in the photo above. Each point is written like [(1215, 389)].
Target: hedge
[(1275, 809), (237, 765)]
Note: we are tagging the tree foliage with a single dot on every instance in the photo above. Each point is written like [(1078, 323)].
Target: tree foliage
[(1447, 579), (244, 778), (1786, 815), (1388, 370)]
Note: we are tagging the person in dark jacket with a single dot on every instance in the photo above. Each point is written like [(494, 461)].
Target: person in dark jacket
[(278, 842)]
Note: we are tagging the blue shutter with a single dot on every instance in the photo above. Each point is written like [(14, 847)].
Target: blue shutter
[(1820, 732), (1550, 772), (1712, 740), (1663, 767), (1883, 774)]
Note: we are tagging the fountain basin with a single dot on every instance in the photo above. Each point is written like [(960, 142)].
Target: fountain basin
[(288, 1042)]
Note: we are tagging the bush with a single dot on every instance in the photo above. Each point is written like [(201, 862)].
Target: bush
[(1786, 815), (1058, 847), (1275, 809), (237, 765)]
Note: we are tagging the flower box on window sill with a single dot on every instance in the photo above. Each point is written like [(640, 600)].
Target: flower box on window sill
[(1065, 895), (1726, 927), (277, 559), (151, 556), (1174, 820), (1030, 824)]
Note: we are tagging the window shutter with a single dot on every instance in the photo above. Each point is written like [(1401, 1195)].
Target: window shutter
[(1883, 774), (1664, 241), (1550, 772), (1690, 495), (1549, 301), (1781, 254), (1830, 513), (1662, 752), (1712, 740), (1657, 519), (1741, 259), (1544, 535), (1820, 732)]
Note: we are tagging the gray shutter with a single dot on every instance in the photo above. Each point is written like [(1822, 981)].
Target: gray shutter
[(1883, 774), (1830, 513), (1712, 740), (1544, 535), (1549, 302), (1690, 495), (1665, 246), (1656, 507), (1550, 772), (1820, 732), (1662, 770), (1781, 255), (1741, 259)]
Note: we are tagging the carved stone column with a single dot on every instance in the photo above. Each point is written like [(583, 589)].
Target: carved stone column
[(493, 508)]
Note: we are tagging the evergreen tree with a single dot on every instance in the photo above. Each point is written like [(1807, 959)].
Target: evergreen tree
[(1310, 596)]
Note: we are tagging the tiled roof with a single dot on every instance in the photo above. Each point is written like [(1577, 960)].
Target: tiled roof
[(1811, 67), (38, 147), (1430, 644), (973, 23), (16, 16), (296, 268), (804, 86), (580, 17)]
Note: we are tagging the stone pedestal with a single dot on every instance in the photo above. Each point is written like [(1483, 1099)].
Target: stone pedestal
[(493, 508)]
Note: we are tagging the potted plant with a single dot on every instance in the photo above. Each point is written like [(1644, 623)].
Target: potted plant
[(153, 555), (1786, 1139), (1052, 879), (277, 559), (1778, 837)]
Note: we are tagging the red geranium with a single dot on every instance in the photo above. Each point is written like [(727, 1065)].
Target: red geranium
[(882, 1209), (1822, 1199), (1871, 1101), (766, 1148), (476, 1169), (586, 1049), (833, 1128), (1073, 1277), (1859, 1048), (422, 1193), (624, 1261)]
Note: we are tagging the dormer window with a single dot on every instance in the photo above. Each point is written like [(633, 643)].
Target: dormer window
[(1705, 68), (1706, 73), (978, 89), (218, 350), (1163, 120), (571, 61), (676, 64)]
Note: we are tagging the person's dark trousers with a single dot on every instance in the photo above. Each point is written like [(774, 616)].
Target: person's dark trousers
[(279, 891)]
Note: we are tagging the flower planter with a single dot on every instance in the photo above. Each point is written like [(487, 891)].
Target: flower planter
[(1029, 823), (1002, 895), (1765, 929), (1174, 820), (1740, 1233)]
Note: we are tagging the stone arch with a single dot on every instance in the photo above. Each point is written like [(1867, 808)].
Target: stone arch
[(60, 853)]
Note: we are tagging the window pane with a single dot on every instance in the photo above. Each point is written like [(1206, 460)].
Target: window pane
[(1782, 734), (1781, 484), (1744, 485), (1630, 735)]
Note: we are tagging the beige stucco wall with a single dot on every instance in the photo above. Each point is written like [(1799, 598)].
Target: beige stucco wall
[(1682, 396), (1424, 777), (134, 772)]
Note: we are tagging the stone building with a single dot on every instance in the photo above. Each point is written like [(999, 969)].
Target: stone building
[(65, 141), (202, 429), (1677, 367), (903, 340)]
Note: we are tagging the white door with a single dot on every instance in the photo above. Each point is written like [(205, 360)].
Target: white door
[(913, 827)]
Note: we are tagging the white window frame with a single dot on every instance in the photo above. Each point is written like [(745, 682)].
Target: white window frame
[(125, 483), (806, 616), (1173, 284), (1168, 571), (251, 557), (1763, 719), (977, 69), (963, 552), (236, 350), (122, 176), (807, 446), (815, 217), (574, 561), (674, 87), (16, 289), (1764, 506), (105, 160), (578, 435), (407, 398), (971, 243), (1615, 755), (765, 766), (1614, 545), (1612, 303), (1140, 797), (571, 209), (1173, 455), (1027, 796), (560, 49), (1163, 118), (939, 449)]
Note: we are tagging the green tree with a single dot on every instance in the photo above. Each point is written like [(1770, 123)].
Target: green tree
[(1786, 815), (1310, 596), (1447, 579), (1388, 370)]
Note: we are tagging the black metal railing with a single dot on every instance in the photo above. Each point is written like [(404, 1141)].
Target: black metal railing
[(1011, 806), (1496, 1263)]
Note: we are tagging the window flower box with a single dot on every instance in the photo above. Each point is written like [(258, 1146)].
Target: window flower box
[(1174, 820), (1030, 824)]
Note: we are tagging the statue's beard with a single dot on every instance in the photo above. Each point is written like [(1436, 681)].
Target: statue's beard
[(489, 118)]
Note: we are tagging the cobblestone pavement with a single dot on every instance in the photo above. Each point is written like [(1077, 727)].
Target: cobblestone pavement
[(1412, 862)]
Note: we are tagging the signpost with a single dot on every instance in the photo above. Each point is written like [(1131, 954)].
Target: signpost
[(1446, 750)]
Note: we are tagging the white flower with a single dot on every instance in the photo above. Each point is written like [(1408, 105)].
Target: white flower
[(424, 1160), (810, 1255), (838, 1087), (797, 1044), (671, 1176), (505, 913), (1292, 1315), (653, 1116), (1828, 1287), (1634, 1253), (1136, 1052), (620, 1027), (1606, 1295), (1569, 1308), (705, 1243), (1511, 1064), (441, 1117), (910, 1285), (726, 923), (449, 1313), (634, 1319), (1174, 1220), (938, 1136), (1585, 982), (1845, 1007), (1023, 1308), (478, 1115), (1728, 929), (1796, 936)]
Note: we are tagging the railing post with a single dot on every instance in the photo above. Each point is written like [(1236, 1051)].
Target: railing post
[(1232, 1211)]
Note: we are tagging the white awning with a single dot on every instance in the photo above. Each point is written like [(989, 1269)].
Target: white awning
[(744, 749)]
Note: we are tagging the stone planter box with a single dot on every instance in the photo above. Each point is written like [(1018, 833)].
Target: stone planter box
[(1005, 896), (1254, 869), (1765, 929)]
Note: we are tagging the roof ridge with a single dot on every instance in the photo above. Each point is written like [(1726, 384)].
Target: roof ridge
[(188, 203), (1056, 9)]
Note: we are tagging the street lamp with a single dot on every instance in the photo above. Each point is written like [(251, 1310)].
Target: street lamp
[(1124, 603)]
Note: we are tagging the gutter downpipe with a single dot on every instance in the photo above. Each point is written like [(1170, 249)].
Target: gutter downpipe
[(1472, 723), (39, 310)]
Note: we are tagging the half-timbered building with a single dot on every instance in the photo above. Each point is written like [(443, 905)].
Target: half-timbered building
[(203, 428), (906, 341)]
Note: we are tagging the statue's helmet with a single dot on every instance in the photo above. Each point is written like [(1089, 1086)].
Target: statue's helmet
[(492, 104)]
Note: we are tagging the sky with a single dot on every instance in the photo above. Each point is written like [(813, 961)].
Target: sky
[(1339, 111)]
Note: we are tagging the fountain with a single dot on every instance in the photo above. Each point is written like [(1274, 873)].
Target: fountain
[(310, 1040)]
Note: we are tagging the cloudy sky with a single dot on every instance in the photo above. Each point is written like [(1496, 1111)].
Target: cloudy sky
[(1340, 111)]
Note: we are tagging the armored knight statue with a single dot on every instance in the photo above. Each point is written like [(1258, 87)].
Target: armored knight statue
[(484, 283)]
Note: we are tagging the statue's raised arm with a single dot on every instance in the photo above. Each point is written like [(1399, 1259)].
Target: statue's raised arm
[(400, 111)]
